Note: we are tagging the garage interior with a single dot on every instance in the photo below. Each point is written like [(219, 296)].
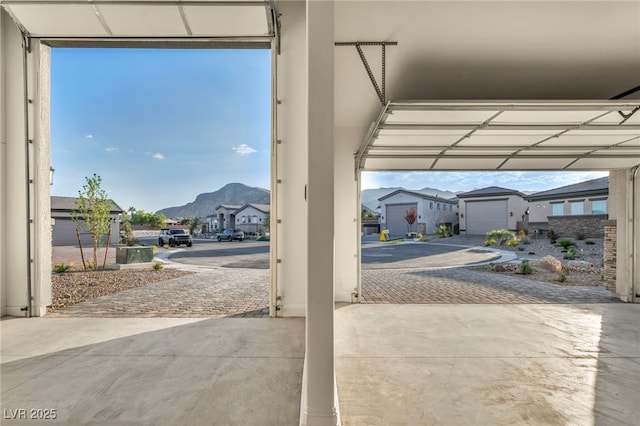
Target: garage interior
[(445, 63)]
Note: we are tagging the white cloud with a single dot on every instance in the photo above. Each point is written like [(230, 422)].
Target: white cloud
[(244, 149), (111, 149), (89, 136), (158, 156)]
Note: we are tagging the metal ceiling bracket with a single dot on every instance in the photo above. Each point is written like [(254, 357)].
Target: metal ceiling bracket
[(379, 88), (624, 94)]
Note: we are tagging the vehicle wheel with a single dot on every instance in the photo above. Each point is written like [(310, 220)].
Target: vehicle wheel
[(160, 242), (219, 239), (172, 243), (189, 244), (240, 239)]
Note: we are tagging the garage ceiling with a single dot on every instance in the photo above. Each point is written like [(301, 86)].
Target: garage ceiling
[(500, 135), (143, 18)]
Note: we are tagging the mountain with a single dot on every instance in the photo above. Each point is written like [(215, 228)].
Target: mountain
[(369, 197), (204, 205)]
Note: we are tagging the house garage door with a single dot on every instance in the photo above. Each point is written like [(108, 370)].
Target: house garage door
[(485, 216), (396, 224)]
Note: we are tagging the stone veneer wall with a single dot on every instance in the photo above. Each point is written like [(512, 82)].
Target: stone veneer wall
[(609, 251), (589, 226)]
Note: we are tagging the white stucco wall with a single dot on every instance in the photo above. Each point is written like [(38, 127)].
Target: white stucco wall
[(347, 213), (257, 216), (429, 217)]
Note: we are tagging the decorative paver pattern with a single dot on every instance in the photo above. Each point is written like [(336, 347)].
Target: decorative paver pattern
[(462, 285), (205, 293)]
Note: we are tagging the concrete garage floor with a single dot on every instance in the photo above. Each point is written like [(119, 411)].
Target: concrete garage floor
[(395, 365), (160, 371), (488, 364)]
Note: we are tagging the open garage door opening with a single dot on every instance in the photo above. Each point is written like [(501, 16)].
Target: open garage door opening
[(181, 142), (485, 138)]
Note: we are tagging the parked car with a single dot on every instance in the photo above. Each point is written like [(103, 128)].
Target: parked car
[(230, 235), (175, 237)]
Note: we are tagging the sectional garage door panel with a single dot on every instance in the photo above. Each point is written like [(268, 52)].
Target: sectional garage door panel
[(396, 224), (485, 216)]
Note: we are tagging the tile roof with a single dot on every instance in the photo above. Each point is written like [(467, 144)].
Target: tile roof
[(489, 191), (598, 186), (69, 204)]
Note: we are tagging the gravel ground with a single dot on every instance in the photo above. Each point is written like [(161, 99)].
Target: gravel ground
[(77, 286), (584, 272)]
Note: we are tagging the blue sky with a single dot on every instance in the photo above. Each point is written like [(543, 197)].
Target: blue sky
[(162, 126), (467, 181)]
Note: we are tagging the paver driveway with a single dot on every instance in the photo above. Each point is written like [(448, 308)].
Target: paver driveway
[(242, 289)]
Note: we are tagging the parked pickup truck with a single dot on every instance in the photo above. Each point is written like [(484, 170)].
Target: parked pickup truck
[(174, 237)]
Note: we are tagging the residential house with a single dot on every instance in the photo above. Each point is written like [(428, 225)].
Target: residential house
[(225, 217), (491, 208), (573, 210), (431, 210), (64, 228), (252, 218)]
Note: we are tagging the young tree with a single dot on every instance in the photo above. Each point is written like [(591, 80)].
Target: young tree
[(410, 216), (93, 213)]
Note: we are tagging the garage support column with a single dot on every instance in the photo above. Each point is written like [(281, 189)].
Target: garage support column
[(621, 209), (319, 398)]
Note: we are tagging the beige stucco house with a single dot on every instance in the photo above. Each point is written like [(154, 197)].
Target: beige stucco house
[(573, 210)]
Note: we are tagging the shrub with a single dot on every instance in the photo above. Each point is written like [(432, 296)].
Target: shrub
[(562, 278), (573, 254), (522, 233), (550, 264), (565, 243), (157, 266), (154, 247), (513, 243), (58, 269), (501, 236), (442, 231), (525, 269), (489, 242), (526, 240), (553, 237)]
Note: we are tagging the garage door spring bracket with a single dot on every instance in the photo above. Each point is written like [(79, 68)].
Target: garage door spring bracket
[(379, 88), (624, 95)]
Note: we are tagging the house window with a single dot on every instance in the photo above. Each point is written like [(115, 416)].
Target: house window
[(244, 219), (450, 208), (431, 205), (599, 207), (438, 206), (248, 219), (577, 207), (557, 209)]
